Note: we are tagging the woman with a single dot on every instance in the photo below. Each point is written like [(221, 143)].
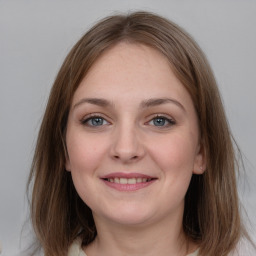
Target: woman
[(134, 148)]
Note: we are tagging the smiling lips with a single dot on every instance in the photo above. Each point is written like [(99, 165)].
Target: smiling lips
[(128, 182)]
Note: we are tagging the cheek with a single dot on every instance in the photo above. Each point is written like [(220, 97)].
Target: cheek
[(176, 153), (84, 153)]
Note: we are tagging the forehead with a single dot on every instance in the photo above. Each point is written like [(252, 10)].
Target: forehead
[(129, 69), (133, 57)]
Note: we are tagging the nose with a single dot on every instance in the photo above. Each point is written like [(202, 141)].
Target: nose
[(127, 145)]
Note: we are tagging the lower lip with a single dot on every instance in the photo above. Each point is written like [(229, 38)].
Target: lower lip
[(128, 187)]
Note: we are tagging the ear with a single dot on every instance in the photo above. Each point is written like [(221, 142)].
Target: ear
[(67, 161), (200, 160), (67, 164)]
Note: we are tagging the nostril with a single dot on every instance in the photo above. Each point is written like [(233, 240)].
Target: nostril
[(126, 158)]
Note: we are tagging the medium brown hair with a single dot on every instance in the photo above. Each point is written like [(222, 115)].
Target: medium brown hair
[(211, 214)]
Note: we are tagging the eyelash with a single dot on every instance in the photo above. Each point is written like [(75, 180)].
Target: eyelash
[(170, 122), (91, 118)]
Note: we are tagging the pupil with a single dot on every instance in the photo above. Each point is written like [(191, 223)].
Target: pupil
[(97, 121), (159, 122)]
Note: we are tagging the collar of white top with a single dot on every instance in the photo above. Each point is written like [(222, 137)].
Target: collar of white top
[(76, 250)]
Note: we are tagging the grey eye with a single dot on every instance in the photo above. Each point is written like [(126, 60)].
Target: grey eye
[(159, 121), (94, 121)]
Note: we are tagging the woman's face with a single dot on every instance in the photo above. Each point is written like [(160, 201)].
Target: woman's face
[(132, 138)]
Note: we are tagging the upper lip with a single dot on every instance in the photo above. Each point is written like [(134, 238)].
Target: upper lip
[(126, 175)]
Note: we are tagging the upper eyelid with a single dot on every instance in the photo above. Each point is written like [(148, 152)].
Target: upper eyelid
[(159, 115), (92, 115)]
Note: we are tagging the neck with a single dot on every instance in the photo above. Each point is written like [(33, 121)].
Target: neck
[(162, 238)]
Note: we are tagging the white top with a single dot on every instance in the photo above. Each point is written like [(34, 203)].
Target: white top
[(76, 250)]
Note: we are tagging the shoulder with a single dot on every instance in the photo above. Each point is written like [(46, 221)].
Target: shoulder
[(75, 249)]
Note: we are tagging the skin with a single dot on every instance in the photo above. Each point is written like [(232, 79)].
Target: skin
[(128, 138)]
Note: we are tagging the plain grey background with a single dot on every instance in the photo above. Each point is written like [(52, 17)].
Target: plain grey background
[(35, 36)]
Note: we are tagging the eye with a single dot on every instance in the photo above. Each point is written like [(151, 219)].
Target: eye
[(94, 121), (161, 121)]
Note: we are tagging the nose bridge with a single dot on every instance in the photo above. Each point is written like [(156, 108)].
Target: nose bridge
[(127, 144)]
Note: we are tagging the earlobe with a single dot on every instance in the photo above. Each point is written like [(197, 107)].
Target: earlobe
[(67, 165), (200, 161), (199, 170), (67, 162)]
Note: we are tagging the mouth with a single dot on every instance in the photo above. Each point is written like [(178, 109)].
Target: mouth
[(128, 182), (119, 180)]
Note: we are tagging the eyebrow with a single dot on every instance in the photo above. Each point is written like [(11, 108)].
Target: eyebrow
[(94, 101), (160, 101), (144, 104)]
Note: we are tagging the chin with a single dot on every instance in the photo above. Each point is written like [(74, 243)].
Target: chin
[(130, 216)]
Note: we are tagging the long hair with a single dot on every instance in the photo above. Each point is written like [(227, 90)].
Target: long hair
[(211, 214)]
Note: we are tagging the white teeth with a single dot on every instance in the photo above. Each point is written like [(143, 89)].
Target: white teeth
[(128, 181), (123, 181), (131, 181), (139, 180), (116, 180)]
